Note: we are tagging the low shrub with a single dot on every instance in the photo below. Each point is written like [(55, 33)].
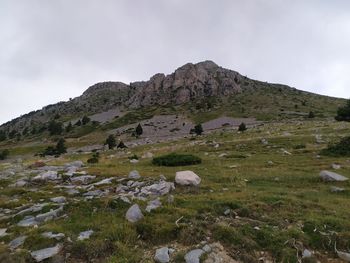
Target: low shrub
[(341, 148), (175, 159)]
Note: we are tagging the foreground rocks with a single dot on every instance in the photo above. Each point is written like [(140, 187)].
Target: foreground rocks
[(187, 178), (46, 253), (328, 176), (134, 214)]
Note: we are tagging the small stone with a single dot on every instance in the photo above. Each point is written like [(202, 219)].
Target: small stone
[(59, 199), (134, 161), (307, 253), (194, 256), (85, 235), (152, 205), (17, 242), (332, 177), (45, 253), (134, 214), (336, 166), (3, 232), (227, 212), (134, 175), (171, 199), (162, 255), (51, 235), (206, 248), (335, 189)]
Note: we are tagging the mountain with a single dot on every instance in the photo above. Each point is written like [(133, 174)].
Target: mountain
[(198, 90)]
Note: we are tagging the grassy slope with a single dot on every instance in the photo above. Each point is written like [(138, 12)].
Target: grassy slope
[(286, 200)]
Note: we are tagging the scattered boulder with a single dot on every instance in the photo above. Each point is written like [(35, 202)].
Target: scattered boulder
[(134, 175), (307, 253), (17, 242), (58, 199), (328, 176), (161, 188), (40, 255), (3, 232), (58, 236), (162, 255), (84, 179), (187, 178), (336, 166), (335, 189), (147, 155), (134, 161), (134, 214), (194, 256), (46, 176), (152, 205)]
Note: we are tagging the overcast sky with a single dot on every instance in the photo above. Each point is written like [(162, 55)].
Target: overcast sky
[(53, 50)]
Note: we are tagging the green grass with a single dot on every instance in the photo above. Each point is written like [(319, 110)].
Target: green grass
[(286, 200)]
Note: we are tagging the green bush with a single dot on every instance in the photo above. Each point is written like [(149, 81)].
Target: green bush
[(95, 158), (343, 113), (175, 159), (4, 154), (342, 148)]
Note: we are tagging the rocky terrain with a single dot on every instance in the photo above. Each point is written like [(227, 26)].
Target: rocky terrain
[(264, 195)]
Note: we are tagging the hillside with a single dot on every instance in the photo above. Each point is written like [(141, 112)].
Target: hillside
[(200, 92)]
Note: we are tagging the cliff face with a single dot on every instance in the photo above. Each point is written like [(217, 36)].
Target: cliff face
[(187, 83)]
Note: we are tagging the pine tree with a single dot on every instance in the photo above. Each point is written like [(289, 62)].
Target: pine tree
[(343, 113), (111, 142), (198, 129), (60, 146), (55, 128), (85, 120), (242, 127), (139, 130), (69, 127)]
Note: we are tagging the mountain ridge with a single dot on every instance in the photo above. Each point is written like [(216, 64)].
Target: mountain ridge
[(190, 83)]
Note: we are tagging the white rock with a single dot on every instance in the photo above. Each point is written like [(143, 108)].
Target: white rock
[(187, 178), (307, 253), (194, 256), (332, 177), (17, 242), (3, 232), (134, 161), (85, 235), (51, 235), (152, 205), (336, 166)]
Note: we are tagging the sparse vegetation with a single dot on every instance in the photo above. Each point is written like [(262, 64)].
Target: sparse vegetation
[(341, 148), (55, 127), (175, 159), (95, 158), (59, 149)]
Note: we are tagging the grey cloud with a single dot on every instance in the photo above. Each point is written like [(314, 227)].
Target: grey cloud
[(53, 50)]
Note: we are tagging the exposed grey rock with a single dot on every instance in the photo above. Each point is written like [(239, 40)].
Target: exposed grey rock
[(161, 188), (85, 235), (187, 178), (335, 189), (154, 204), (77, 164), (28, 221), (206, 248), (134, 214), (336, 166), (3, 232), (147, 155), (19, 183), (125, 199), (194, 256), (72, 191), (134, 161), (17, 242), (328, 176), (96, 193), (58, 236), (162, 255), (84, 179), (58, 199), (32, 209), (49, 215), (46, 176), (134, 175), (104, 181), (45, 253)]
